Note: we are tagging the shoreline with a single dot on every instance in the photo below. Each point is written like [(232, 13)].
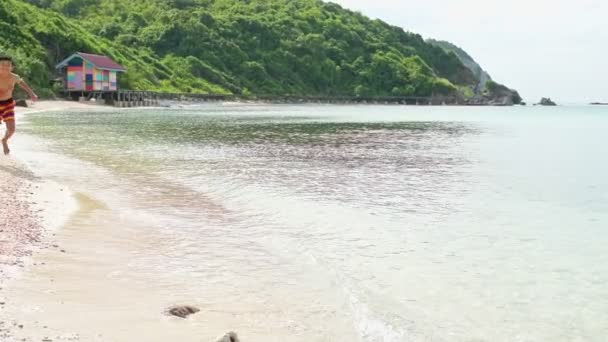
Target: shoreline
[(32, 211), (46, 268), (29, 204)]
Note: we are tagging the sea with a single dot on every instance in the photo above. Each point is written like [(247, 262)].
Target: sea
[(318, 222)]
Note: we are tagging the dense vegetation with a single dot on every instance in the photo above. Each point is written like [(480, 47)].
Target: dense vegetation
[(304, 47), (466, 59), (486, 86), (38, 39)]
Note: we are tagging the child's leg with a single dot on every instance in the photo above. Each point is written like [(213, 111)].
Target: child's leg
[(7, 114), (10, 130)]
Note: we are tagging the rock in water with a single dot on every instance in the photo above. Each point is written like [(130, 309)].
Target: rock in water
[(21, 103), (182, 311), (545, 101), (229, 337)]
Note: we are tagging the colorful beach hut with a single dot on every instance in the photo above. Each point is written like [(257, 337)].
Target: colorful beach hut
[(87, 73)]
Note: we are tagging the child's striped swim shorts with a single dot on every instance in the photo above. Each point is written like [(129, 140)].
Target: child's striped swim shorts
[(7, 110)]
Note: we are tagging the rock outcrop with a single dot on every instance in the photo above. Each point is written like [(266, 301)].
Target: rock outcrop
[(545, 101), (495, 94)]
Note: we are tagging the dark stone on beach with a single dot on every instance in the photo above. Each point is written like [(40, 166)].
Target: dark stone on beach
[(229, 337), (21, 103), (182, 311)]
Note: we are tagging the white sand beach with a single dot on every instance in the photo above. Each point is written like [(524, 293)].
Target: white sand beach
[(31, 211), (31, 208)]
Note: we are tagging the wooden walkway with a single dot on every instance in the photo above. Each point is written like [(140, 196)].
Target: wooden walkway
[(403, 100), (136, 98)]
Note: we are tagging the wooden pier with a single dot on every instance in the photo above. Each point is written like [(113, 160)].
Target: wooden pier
[(137, 98), (394, 100), (134, 99)]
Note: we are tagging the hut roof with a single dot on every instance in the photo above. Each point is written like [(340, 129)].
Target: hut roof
[(99, 61)]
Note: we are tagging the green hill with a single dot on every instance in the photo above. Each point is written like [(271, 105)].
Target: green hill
[(264, 47), (485, 85), (481, 75), (38, 39)]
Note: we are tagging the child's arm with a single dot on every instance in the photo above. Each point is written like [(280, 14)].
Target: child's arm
[(27, 89)]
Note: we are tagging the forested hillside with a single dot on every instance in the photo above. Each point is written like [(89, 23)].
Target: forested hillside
[(486, 87), (280, 47)]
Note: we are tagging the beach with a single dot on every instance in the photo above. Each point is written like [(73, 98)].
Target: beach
[(305, 223), (55, 260), (31, 207), (32, 210)]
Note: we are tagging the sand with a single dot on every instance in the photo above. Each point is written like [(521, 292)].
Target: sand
[(28, 206), (31, 210)]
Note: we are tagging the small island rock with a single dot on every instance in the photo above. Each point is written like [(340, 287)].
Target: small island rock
[(545, 101)]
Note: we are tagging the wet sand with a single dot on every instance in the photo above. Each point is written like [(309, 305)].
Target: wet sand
[(28, 206), (31, 211)]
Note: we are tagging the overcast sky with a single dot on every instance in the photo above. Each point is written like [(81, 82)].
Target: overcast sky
[(551, 48)]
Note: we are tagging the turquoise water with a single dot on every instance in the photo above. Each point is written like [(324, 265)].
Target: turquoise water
[(387, 223)]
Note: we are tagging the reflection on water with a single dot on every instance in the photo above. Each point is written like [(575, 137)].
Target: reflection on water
[(315, 158), (376, 223)]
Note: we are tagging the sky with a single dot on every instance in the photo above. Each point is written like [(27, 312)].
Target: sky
[(542, 48)]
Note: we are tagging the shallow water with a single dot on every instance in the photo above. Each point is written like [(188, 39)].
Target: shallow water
[(334, 223)]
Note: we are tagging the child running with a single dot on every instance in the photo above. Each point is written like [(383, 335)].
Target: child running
[(7, 104)]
